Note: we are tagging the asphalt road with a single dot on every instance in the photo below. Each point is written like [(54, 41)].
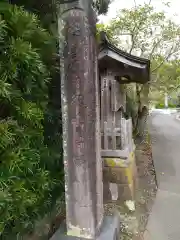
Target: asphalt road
[(164, 220)]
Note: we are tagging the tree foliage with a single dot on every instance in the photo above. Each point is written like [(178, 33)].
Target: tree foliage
[(166, 81), (31, 167), (145, 32), (26, 182), (168, 77), (101, 6)]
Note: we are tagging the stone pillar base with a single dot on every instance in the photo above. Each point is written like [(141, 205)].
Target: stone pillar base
[(109, 230), (119, 178)]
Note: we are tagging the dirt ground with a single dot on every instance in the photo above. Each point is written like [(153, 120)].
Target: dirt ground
[(133, 224), (147, 185)]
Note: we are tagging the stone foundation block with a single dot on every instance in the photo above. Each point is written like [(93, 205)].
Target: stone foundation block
[(110, 230), (121, 173)]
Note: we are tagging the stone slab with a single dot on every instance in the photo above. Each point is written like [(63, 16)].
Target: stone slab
[(119, 162), (125, 192), (121, 175), (109, 230)]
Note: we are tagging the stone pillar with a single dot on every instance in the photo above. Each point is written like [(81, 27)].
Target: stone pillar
[(80, 109)]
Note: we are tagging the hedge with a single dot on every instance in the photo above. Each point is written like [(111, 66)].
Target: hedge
[(30, 171)]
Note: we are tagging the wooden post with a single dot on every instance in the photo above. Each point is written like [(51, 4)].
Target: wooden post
[(81, 128)]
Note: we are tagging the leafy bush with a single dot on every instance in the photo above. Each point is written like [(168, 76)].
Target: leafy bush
[(161, 105), (27, 179), (170, 105)]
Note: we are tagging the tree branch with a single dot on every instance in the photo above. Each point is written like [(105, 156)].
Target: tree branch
[(165, 59), (126, 34), (133, 34), (141, 88), (154, 47), (175, 88), (148, 2), (133, 43)]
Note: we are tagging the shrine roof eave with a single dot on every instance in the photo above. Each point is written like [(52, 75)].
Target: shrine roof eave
[(141, 65)]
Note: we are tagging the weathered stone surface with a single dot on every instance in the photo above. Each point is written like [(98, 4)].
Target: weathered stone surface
[(124, 175), (115, 174), (106, 191), (126, 192), (81, 137)]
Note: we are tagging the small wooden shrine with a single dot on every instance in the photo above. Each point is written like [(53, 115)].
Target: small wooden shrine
[(117, 68)]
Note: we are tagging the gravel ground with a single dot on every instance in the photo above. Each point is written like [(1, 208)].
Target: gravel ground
[(147, 187), (129, 224), (133, 224)]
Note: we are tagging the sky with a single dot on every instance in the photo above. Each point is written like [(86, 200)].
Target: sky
[(172, 11)]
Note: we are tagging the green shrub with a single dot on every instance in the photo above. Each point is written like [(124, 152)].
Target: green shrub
[(30, 170), (161, 105), (170, 105)]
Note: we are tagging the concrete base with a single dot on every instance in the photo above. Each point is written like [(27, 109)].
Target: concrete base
[(109, 230)]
